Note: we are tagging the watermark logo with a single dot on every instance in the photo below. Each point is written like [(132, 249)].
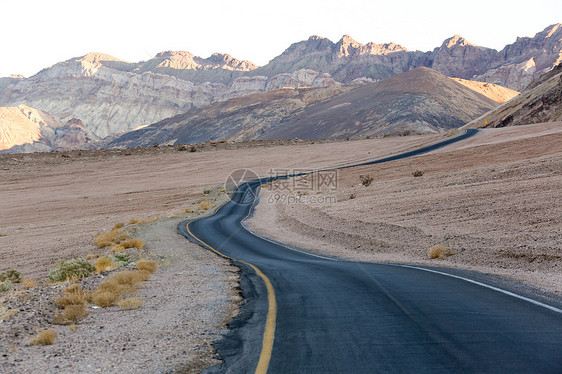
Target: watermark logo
[(235, 180), (302, 186)]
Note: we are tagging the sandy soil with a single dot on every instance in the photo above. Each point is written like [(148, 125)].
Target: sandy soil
[(494, 198)]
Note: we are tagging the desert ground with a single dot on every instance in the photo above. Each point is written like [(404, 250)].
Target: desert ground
[(493, 199), (53, 204)]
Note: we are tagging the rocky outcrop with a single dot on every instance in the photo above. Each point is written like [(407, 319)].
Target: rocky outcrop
[(460, 59), (24, 129), (520, 63), (540, 102), (418, 101), (108, 99)]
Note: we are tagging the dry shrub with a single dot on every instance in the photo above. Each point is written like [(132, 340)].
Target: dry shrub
[(204, 205), (28, 283), (104, 264), (118, 225), (129, 277), (366, 180), (105, 298), (71, 269), (440, 251), (117, 248), (46, 337), (106, 239), (130, 303), (72, 295), (75, 313), (133, 243), (418, 173), (147, 265), (134, 221)]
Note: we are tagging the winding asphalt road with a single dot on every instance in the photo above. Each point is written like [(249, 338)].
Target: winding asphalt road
[(306, 313)]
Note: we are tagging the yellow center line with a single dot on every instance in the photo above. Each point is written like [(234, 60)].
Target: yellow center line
[(269, 332)]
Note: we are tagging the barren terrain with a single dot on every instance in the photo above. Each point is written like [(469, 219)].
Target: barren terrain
[(494, 199), (52, 205)]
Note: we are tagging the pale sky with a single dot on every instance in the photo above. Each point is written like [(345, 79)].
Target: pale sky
[(38, 34)]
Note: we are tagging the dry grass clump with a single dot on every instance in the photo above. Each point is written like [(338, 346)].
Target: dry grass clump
[(118, 225), (133, 243), (72, 295), (134, 221), (130, 303), (118, 285), (104, 264), (46, 337), (106, 239), (73, 303), (71, 269), (75, 313), (418, 173), (147, 265), (204, 204), (440, 251), (28, 283)]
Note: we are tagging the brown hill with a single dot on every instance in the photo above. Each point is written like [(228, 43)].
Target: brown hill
[(540, 102), (419, 101), (492, 91)]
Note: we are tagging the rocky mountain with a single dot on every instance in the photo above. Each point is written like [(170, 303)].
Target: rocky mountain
[(24, 129), (540, 102), (514, 67), (110, 97), (420, 101)]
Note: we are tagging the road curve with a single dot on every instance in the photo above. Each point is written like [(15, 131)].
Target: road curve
[(305, 313)]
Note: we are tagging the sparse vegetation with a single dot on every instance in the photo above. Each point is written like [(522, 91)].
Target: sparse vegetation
[(192, 149), (5, 286), (72, 295), (122, 259), (206, 192), (118, 225), (28, 283), (2, 234), (75, 313), (106, 239), (133, 243), (352, 196), (147, 265), (130, 303), (67, 270), (204, 205), (11, 275), (104, 264), (418, 173), (366, 180), (440, 251), (46, 337)]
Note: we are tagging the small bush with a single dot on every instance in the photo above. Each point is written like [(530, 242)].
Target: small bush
[(46, 337), (121, 259), (106, 239), (75, 313), (129, 277), (366, 180), (118, 225), (105, 299), (417, 173), (72, 295), (440, 251), (206, 192), (104, 264), (204, 205), (71, 269), (192, 149), (130, 303), (5, 286), (352, 196), (147, 265), (12, 275), (133, 243), (134, 221)]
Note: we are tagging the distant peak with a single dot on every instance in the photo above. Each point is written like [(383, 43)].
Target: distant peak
[(316, 37), (550, 30), (95, 57), (16, 76), (167, 54), (455, 40), (347, 40)]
